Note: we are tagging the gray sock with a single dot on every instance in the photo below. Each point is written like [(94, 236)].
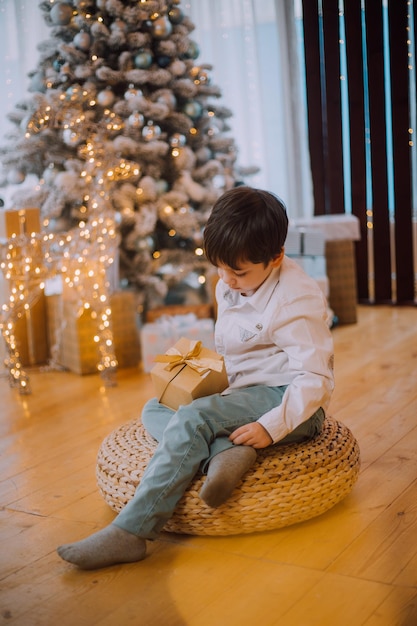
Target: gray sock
[(225, 471), (108, 546)]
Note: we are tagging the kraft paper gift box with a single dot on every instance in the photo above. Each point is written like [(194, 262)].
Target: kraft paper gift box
[(160, 335), (125, 331), (187, 371), (73, 334), (19, 222), (30, 328)]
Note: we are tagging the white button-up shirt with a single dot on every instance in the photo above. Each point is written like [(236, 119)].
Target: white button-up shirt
[(278, 336)]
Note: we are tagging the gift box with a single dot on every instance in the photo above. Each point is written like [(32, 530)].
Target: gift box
[(19, 222), (187, 371), (71, 334), (341, 270), (3, 356), (30, 328), (314, 266), (340, 232), (306, 246), (30, 332), (304, 241), (157, 337), (125, 331), (202, 311)]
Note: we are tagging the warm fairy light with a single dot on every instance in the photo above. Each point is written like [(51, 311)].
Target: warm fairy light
[(80, 256)]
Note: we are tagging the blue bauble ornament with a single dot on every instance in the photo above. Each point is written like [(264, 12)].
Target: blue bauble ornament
[(163, 60), (58, 63), (161, 186), (193, 109), (175, 15), (193, 50), (143, 59), (37, 83)]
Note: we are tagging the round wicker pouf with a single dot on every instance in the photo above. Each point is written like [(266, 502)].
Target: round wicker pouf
[(288, 483)]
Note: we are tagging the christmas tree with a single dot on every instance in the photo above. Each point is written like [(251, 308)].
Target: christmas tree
[(122, 119)]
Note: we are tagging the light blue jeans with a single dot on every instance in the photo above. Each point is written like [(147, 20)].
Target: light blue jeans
[(188, 439)]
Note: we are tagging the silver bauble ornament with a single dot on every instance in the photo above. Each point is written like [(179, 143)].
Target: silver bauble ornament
[(15, 177), (133, 92), (177, 140), (71, 137), (49, 173), (136, 120), (61, 14), (167, 98), (82, 41), (151, 131), (106, 97)]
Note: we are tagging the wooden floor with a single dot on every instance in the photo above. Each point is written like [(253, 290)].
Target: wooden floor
[(354, 566)]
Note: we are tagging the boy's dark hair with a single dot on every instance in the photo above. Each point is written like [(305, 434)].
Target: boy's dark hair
[(246, 224)]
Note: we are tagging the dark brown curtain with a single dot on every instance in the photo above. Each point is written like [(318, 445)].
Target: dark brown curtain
[(384, 255)]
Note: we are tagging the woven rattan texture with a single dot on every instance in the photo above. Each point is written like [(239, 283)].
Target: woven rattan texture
[(288, 484)]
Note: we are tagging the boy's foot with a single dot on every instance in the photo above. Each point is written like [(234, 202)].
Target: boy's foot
[(225, 471), (108, 546)]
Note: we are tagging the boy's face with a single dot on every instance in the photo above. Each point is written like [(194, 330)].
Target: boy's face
[(248, 277)]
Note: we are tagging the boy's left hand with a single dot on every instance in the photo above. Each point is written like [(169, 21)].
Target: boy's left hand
[(252, 434)]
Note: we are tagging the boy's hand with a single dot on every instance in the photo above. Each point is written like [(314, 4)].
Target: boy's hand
[(252, 434)]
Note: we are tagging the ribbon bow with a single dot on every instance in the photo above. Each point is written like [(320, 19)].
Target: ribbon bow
[(174, 357)]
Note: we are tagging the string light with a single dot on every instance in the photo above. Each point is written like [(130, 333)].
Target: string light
[(25, 264), (27, 260)]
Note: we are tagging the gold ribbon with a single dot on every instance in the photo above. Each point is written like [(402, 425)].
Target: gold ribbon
[(174, 357)]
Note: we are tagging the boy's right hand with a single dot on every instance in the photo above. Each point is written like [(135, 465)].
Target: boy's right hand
[(252, 434)]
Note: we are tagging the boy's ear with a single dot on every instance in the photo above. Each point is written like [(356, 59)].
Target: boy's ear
[(277, 260)]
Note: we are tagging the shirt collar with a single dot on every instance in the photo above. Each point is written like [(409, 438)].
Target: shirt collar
[(261, 297)]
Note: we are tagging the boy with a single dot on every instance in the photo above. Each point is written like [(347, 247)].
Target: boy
[(272, 331)]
